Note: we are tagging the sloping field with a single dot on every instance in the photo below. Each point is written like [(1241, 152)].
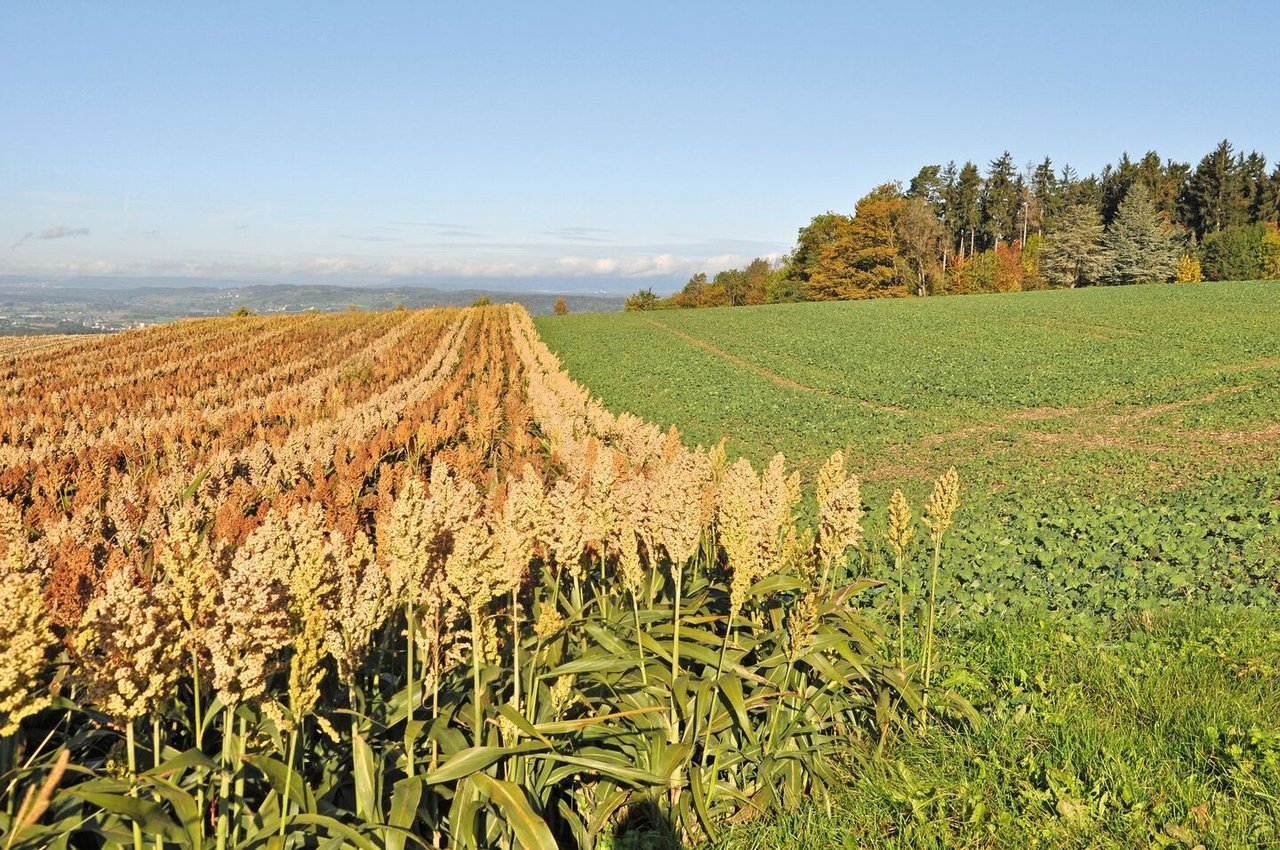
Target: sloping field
[(1118, 447), (390, 579), (1139, 385)]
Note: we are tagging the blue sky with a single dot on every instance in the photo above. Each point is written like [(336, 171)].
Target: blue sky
[(625, 144)]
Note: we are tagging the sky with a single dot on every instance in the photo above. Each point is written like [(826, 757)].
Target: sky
[(625, 145)]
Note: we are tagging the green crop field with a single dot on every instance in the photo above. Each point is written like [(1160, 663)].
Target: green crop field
[(1112, 587), (1160, 379)]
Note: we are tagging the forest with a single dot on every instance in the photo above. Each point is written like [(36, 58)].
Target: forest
[(958, 230)]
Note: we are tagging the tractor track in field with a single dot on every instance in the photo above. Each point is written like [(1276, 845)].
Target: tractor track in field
[(765, 372), (1100, 427)]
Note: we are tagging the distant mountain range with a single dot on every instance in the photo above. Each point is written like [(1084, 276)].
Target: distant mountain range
[(95, 304)]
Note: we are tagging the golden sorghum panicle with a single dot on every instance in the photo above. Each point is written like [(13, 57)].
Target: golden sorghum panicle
[(454, 502), (718, 458), (839, 511), (526, 504), (601, 501), (363, 603), (473, 572), (306, 672), (15, 551), (563, 531), (129, 649), (485, 641), (406, 541), (513, 539), (942, 504), (562, 694), (900, 529), (184, 559), (780, 494), (678, 509), (629, 565), (313, 579), (740, 507), (802, 622), (25, 637), (549, 621), (251, 627)]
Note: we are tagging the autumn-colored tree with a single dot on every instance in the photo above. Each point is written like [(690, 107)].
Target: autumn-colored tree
[(811, 240), (757, 278), (1188, 270), (1008, 267), (645, 299), (1031, 277), (693, 292), (561, 308), (861, 260), (972, 274)]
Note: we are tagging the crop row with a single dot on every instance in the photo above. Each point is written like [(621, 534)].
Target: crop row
[(418, 588)]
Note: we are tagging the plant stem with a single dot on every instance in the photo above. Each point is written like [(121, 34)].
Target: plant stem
[(242, 744), (928, 635), (711, 712), (133, 777), (408, 723), (675, 652), (195, 690), (476, 709), (361, 813), (773, 720), (157, 748), (515, 647), (224, 808), (902, 615), (635, 613), (8, 761), (197, 734), (288, 781)]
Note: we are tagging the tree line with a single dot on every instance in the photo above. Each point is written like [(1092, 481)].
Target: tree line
[(957, 229)]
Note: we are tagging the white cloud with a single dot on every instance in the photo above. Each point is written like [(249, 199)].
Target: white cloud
[(59, 232), (363, 268)]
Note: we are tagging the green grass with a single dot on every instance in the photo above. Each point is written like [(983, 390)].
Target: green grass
[(1150, 733), (1112, 588)]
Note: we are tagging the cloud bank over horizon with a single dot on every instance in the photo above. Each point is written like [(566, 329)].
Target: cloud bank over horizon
[(628, 271)]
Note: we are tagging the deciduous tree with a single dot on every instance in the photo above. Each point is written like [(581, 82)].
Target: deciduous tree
[(920, 238), (861, 261)]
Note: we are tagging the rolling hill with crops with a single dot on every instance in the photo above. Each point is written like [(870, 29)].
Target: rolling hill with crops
[(982, 572)]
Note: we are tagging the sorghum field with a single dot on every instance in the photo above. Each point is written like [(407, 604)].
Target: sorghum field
[(395, 580), (1108, 598)]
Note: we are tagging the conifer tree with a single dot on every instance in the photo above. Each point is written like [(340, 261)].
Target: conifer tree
[(1074, 253), (1138, 241)]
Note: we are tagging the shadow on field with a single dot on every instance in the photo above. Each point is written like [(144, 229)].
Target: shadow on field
[(646, 828)]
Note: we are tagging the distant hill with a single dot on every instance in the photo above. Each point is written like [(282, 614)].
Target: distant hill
[(105, 304)]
